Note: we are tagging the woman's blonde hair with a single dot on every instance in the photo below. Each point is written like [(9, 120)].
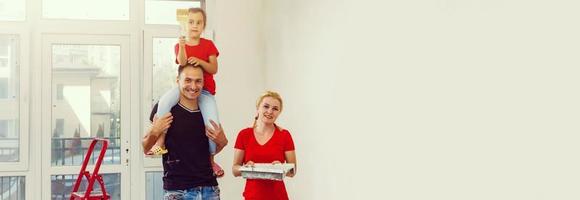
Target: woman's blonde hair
[(271, 94)]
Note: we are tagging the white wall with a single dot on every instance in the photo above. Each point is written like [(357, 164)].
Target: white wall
[(421, 99), (240, 77)]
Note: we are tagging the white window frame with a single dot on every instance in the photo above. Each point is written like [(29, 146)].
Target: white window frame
[(154, 163), (130, 2), (22, 47)]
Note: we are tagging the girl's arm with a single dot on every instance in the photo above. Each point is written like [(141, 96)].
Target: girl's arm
[(291, 158), (181, 57), (209, 67), (238, 159)]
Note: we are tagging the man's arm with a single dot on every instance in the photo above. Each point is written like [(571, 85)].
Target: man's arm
[(149, 139), (216, 134), (221, 143), (158, 127)]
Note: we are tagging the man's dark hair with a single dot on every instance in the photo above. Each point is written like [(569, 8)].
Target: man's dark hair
[(182, 67)]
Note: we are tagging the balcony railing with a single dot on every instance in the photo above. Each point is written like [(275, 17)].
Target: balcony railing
[(12, 187), (71, 151)]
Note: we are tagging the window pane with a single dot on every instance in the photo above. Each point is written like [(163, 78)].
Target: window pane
[(12, 10), (8, 68), (86, 9), (12, 187), (163, 12), (90, 103), (9, 141), (164, 67), (9, 103), (4, 87), (62, 185), (154, 185)]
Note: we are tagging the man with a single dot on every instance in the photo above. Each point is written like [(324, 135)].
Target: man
[(187, 168)]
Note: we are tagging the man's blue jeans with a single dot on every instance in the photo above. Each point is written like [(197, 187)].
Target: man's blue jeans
[(196, 193)]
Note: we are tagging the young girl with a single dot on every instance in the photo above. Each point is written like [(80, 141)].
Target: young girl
[(200, 52)]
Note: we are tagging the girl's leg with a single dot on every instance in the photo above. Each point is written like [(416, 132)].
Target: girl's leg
[(159, 147), (208, 107), (166, 102)]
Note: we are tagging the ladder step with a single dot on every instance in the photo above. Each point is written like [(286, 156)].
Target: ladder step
[(96, 194)]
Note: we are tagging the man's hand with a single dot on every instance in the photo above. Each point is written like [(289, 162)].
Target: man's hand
[(216, 134), (160, 125)]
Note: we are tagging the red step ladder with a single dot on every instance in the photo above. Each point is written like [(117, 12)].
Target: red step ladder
[(88, 194)]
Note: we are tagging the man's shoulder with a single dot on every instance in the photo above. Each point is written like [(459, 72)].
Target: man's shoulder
[(172, 109)]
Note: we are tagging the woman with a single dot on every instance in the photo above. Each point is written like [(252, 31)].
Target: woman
[(265, 142)]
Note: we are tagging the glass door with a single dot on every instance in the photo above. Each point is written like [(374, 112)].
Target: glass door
[(85, 79)]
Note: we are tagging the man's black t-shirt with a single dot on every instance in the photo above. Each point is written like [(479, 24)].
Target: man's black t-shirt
[(187, 164)]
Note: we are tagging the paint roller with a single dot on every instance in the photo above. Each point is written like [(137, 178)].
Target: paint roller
[(181, 17)]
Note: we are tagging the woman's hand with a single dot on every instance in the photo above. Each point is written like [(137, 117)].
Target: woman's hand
[(249, 164), (290, 173), (238, 159)]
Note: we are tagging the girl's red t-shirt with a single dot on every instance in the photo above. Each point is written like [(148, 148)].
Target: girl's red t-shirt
[(203, 50)]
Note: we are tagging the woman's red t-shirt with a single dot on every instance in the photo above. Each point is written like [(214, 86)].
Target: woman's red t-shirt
[(272, 150)]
